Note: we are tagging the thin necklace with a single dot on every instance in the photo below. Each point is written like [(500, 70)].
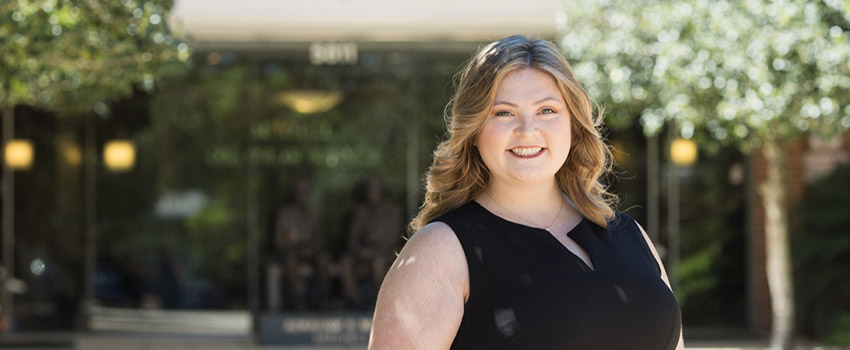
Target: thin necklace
[(560, 208)]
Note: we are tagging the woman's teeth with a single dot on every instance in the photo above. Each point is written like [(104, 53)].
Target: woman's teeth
[(526, 151)]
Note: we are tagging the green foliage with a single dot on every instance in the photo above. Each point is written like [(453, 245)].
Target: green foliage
[(840, 331), (697, 274), (821, 250), (711, 280), (192, 119), (742, 70), (74, 57)]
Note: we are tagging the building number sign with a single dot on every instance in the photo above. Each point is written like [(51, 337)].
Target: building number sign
[(333, 53)]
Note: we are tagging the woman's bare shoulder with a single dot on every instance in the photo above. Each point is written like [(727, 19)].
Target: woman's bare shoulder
[(438, 235), (430, 270), (434, 249)]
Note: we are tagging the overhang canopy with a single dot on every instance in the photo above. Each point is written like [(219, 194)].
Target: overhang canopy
[(299, 21)]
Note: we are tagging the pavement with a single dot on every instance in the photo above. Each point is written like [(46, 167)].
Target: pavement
[(122, 329), (160, 341)]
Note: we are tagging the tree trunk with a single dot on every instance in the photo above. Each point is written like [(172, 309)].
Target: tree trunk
[(776, 246)]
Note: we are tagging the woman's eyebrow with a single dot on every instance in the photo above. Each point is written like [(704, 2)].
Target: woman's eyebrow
[(536, 103)]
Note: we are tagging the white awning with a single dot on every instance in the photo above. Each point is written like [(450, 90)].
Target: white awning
[(293, 21)]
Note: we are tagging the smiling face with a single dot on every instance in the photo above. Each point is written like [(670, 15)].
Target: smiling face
[(526, 138)]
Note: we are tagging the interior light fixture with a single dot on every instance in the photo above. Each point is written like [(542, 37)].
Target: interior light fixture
[(310, 101), (19, 154), (683, 151), (119, 155)]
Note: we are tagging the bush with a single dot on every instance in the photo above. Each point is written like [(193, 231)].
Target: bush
[(821, 251)]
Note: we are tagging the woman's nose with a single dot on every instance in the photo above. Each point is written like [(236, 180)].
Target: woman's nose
[(527, 126)]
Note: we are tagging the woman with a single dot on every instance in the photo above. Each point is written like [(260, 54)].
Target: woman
[(517, 246)]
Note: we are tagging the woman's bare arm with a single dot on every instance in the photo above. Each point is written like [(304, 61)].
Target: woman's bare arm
[(420, 304), (681, 345)]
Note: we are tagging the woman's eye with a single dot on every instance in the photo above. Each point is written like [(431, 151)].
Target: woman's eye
[(547, 111), (502, 114)]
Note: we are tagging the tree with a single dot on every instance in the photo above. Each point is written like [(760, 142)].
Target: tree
[(73, 58), (755, 74), (70, 56)]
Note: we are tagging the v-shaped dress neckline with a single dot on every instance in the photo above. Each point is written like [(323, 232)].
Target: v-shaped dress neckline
[(577, 233)]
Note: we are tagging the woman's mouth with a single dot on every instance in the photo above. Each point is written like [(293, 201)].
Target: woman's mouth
[(526, 152)]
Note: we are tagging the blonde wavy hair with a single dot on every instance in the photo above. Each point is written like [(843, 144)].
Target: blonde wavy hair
[(458, 174)]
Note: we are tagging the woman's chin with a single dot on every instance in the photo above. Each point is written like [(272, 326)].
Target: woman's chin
[(532, 177)]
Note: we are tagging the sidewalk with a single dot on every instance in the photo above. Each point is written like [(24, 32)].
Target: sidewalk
[(142, 341), (123, 329)]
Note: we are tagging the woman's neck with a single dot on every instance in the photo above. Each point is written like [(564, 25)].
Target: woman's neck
[(533, 205)]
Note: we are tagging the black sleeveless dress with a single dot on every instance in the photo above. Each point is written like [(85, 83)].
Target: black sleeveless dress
[(527, 291)]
